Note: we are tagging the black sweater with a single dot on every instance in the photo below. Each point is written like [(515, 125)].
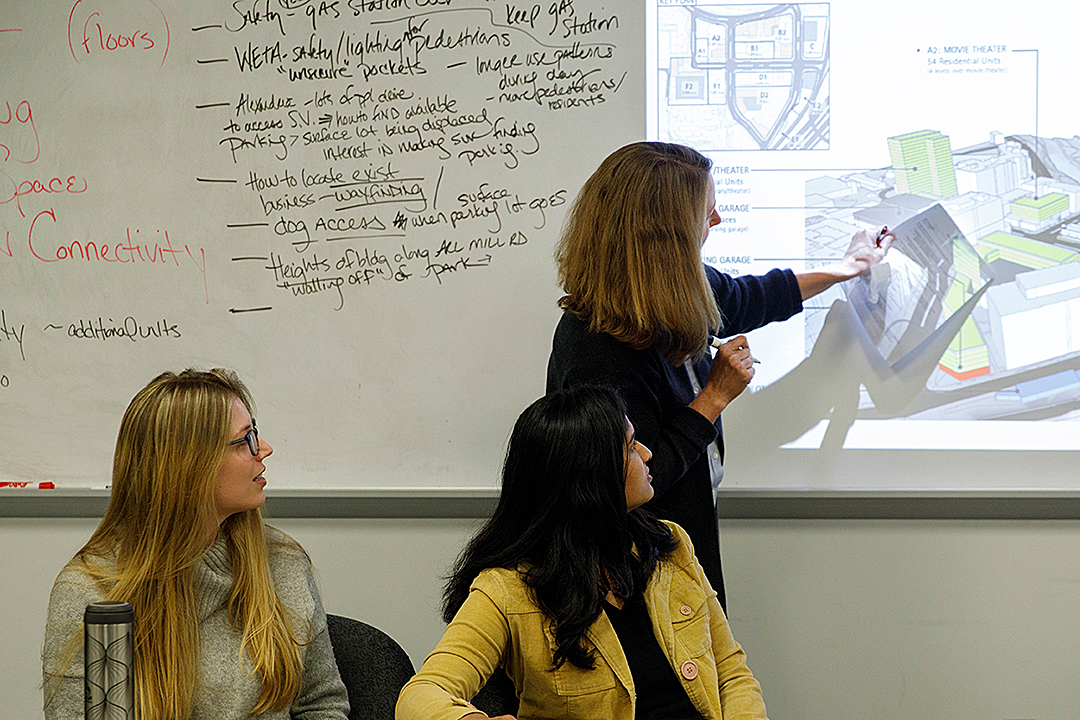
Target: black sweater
[(657, 396)]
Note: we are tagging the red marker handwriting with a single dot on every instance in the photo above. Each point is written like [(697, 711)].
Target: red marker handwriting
[(23, 115), (116, 31), (138, 40), (136, 248), (10, 190)]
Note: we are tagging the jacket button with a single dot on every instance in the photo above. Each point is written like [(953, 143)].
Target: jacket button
[(689, 670), (686, 610)]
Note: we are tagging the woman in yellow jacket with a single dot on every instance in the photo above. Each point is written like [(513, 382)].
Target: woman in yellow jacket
[(594, 608)]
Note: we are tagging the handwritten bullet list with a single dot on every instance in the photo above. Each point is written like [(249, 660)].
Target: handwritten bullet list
[(341, 154)]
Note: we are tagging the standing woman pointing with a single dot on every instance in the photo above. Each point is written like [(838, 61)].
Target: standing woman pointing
[(640, 306)]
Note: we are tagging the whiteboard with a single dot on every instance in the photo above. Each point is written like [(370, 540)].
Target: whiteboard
[(352, 204)]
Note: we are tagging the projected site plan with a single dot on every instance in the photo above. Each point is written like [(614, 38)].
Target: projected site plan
[(1003, 261), (742, 77)]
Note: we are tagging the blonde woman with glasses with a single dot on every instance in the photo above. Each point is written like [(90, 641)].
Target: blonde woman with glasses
[(228, 621)]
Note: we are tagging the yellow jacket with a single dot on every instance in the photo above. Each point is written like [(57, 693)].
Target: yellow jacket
[(499, 624)]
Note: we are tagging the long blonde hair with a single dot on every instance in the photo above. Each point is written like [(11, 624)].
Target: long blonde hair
[(629, 258), (170, 447)]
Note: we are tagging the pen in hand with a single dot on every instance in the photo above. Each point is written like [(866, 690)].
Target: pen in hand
[(716, 342), (881, 235)]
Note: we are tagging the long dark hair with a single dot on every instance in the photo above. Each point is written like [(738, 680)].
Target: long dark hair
[(562, 517)]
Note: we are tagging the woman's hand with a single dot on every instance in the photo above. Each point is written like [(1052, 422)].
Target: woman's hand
[(863, 253), (732, 370), (482, 716)]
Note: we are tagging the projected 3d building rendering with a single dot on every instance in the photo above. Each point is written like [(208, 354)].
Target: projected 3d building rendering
[(979, 302)]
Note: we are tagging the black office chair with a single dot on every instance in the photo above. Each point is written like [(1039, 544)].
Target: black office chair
[(498, 696), (372, 665)]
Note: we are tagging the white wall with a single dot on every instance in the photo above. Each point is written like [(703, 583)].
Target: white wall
[(864, 620), (841, 620)]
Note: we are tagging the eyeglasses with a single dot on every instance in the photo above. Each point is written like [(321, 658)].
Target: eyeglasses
[(251, 438)]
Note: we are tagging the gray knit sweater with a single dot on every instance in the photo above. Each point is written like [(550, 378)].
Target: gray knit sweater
[(228, 689)]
